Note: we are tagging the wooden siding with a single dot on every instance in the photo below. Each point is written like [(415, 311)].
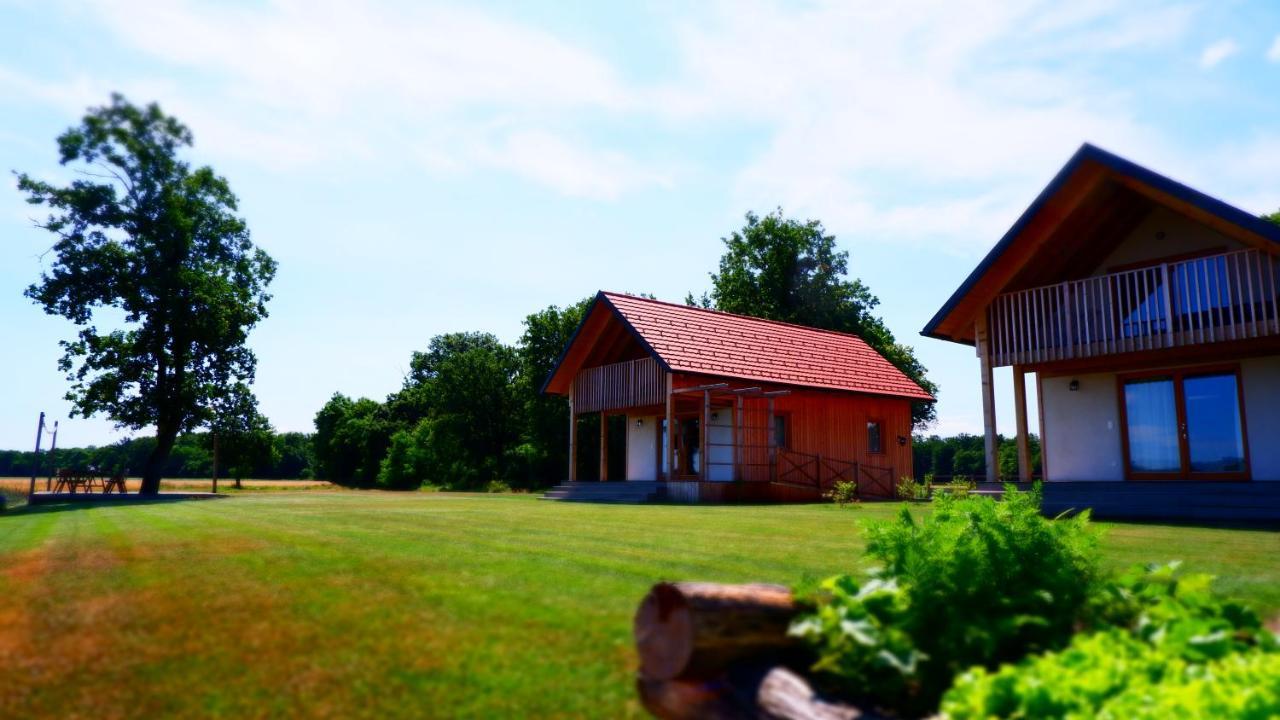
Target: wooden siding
[(619, 385), (830, 424), (1217, 298)]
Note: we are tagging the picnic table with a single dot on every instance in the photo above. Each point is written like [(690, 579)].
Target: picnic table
[(71, 481)]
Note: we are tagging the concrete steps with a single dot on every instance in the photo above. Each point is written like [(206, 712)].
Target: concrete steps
[(630, 492)]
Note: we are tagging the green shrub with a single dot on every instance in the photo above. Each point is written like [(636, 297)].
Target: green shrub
[(1177, 651), (842, 493), (909, 489), (497, 486), (975, 582)]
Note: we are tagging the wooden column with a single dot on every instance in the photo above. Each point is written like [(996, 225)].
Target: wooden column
[(769, 434), (739, 439), (704, 472), (1020, 412), (988, 398), (573, 439), (671, 430), (1044, 453), (604, 446)]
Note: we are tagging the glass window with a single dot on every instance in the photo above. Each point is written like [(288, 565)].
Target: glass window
[(874, 442), (1215, 442), (780, 431), (1152, 416)]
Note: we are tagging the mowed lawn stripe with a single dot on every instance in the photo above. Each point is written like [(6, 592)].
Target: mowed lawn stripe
[(367, 604)]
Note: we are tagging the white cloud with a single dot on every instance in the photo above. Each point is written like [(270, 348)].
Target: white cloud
[(1217, 52), (1273, 52), (572, 170), (929, 122)]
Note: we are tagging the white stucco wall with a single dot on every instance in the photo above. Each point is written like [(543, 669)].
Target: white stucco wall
[(1161, 234), (1082, 428), (642, 450), (1261, 380)]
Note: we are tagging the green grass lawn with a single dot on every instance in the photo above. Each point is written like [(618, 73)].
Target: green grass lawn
[(365, 604)]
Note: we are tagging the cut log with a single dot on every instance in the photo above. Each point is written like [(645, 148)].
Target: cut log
[(771, 693), (693, 630)]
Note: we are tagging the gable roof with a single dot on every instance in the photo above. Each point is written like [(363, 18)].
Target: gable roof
[(1089, 172), (709, 342)]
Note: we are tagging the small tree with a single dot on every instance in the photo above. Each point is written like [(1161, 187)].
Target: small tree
[(143, 233), (241, 437)]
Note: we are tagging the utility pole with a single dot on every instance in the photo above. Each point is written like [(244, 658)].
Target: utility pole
[(35, 461), (53, 447)]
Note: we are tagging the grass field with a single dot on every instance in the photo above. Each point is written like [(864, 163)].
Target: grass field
[(14, 489), (367, 604)]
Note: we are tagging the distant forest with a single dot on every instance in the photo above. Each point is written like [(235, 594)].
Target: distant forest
[(290, 458), (963, 455)]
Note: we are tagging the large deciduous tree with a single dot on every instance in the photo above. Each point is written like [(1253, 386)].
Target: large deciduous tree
[(783, 269), (546, 433), (141, 232)]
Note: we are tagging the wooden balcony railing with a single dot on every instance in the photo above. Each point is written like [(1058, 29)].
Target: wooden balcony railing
[(1230, 296), (621, 385)]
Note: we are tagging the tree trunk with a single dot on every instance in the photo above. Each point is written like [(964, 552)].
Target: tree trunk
[(698, 630), (165, 438)]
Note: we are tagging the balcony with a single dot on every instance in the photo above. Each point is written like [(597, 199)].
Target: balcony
[(1214, 298)]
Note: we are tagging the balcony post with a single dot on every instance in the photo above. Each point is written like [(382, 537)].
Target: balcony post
[(573, 438), (604, 446), (1020, 411), (671, 429), (991, 441), (1168, 304)]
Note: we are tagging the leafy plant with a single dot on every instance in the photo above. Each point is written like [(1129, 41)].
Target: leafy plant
[(1177, 651), (978, 582), (497, 486), (843, 493), (909, 489)]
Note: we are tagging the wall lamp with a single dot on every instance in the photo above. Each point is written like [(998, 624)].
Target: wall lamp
[(639, 422), (1074, 386), (902, 440)]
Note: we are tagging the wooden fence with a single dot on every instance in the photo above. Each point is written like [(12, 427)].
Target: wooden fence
[(1228, 296), (620, 385)]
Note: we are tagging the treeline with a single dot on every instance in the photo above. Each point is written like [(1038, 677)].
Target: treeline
[(965, 455), (470, 413), (286, 456)]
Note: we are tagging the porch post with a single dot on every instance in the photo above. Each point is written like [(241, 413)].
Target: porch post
[(671, 431), (705, 470), (1020, 410), (604, 446), (1044, 452), (988, 398), (739, 439), (769, 434), (573, 439)]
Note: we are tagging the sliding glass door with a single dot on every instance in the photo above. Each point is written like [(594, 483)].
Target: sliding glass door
[(1184, 425)]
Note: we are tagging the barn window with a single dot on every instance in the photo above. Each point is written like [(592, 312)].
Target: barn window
[(780, 431), (875, 443)]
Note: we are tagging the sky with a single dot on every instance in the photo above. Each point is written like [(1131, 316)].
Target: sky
[(421, 168)]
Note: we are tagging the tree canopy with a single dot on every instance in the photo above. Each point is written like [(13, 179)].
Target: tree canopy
[(784, 269), (143, 233)]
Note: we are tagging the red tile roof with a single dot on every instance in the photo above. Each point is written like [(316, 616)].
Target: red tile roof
[(710, 342)]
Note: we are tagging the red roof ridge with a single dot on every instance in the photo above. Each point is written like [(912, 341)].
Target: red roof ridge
[(753, 318)]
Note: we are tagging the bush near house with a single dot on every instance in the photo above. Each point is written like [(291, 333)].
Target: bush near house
[(988, 609)]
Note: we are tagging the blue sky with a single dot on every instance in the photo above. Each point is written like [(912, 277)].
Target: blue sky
[(420, 169)]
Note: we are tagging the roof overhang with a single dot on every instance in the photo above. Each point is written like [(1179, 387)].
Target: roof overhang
[(600, 315), (1092, 199)]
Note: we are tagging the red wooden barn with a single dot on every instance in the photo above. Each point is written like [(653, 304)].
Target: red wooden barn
[(723, 407)]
